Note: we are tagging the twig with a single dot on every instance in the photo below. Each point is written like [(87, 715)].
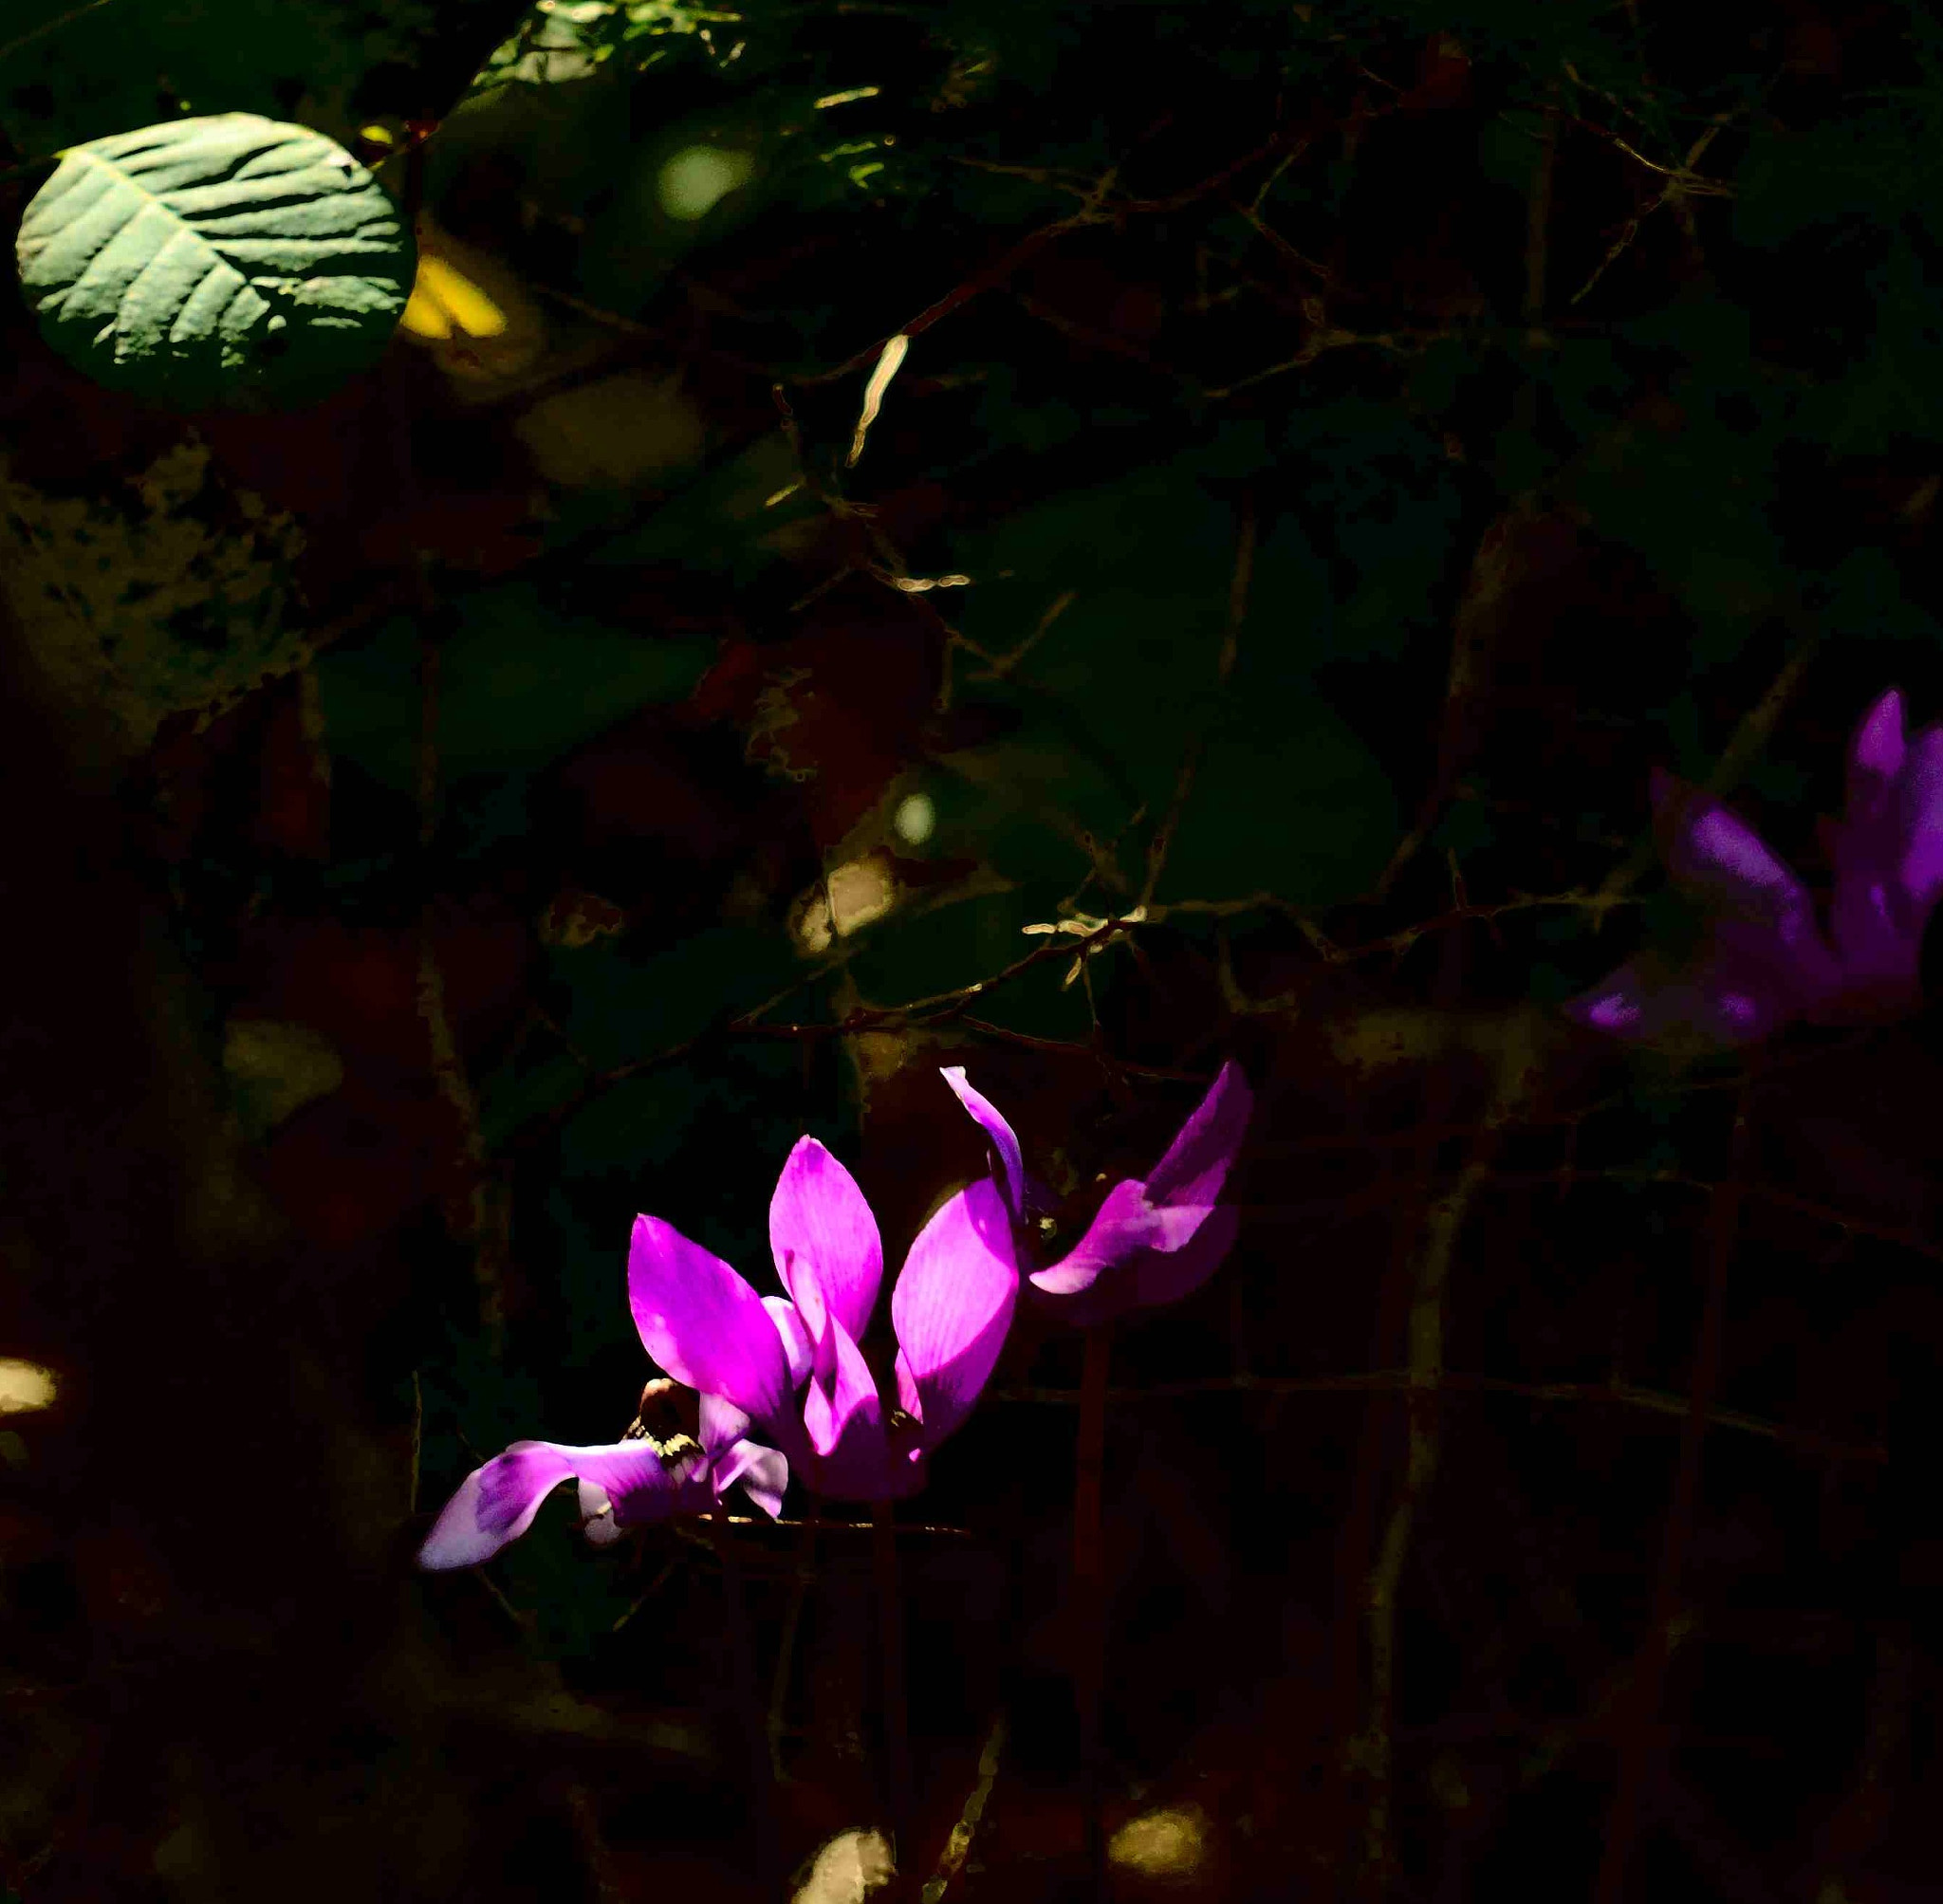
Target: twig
[(958, 1846), (1425, 1341), (1097, 207), (1678, 184), (1356, 1536)]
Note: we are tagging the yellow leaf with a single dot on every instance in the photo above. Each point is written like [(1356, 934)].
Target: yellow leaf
[(469, 310), (444, 300)]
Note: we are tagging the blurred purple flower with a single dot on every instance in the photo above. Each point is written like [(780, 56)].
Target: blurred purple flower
[(623, 1483), (1153, 1240), (793, 1367), (1767, 959)]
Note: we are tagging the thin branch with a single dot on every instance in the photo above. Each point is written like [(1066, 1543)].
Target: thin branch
[(958, 1846), (1424, 1337)]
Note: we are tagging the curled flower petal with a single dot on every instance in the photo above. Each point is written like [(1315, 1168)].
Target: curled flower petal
[(1919, 804), (1197, 1161), (494, 1505), (951, 1309), (1616, 1004), (1765, 960), (824, 1240), (1003, 1138), (1163, 1276), (1126, 1226), (703, 1323), (1146, 1279), (1721, 858), (764, 1473), (1876, 753), (1888, 859), (794, 1337), (1726, 1000), (842, 1398), (849, 1456), (721, 1423)]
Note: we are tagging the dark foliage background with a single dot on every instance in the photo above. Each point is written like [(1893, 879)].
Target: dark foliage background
[(1340, 450)]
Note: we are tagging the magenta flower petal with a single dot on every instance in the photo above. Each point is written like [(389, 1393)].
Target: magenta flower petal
[(1875, 754), (1125, 1259), (625, 1482), (1718, 857), (1764, 960), (1919, 804), (795, 1338), (703, 1323), (1126, 1226), (1888, 859), (951, 1308), (1003, 1138), (841, 1408), (1619, 1003), (1726, 999), (1162, 1276), (1197, 1161), (495, 1503), (825, 1241), (763, 1472), (1145, 1279)]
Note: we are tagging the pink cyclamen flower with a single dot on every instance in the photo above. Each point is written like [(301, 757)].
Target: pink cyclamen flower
[(794, 1366), (1767, 958), (623, 1483), (1155, 1239)]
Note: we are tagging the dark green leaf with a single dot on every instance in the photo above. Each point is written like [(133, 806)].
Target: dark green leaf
[(519, 684), (625, 1007)]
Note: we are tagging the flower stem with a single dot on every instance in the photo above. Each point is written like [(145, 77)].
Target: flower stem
[(755, 1721), (792, 1620), (891, 1637), (1089, 1621)]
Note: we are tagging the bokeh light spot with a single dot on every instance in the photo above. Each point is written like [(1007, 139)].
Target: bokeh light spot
[(699, 177), (25, 1387), (915, 819)]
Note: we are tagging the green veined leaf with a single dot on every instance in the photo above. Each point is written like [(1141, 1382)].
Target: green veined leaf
[(222, 261)]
